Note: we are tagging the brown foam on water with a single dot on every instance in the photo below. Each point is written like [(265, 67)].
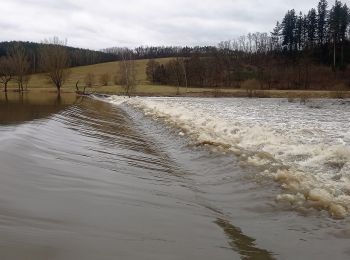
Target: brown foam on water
[(304, 171)]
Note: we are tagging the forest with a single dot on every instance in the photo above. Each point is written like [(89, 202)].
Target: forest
[(77, 56), (303, 51)]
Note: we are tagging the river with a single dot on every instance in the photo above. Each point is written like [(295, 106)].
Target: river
[(151, 178)]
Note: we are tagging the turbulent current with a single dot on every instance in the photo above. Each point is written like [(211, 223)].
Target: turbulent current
[(304, 147), (173, 178)]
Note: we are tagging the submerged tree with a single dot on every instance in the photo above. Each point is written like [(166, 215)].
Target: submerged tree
[(26, 80), (89, 81), (6, 71), (54, 60), (20, 64)]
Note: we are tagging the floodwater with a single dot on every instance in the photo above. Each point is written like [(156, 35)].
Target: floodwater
[(94, 179)]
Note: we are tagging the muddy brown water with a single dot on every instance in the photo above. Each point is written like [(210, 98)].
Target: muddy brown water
[(84, 179)]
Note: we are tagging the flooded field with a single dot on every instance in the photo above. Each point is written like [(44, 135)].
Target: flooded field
[(173, 178)]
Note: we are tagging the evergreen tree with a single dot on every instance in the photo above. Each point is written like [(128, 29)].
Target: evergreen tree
[(288, 30), (311, 27), (344, 23), (321, 21), (334, 24), (299, 31), (276, 36), (305, 30)]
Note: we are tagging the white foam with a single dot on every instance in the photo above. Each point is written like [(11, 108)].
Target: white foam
[(305, 149)]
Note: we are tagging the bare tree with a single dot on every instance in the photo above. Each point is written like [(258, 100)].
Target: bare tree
[(184, 72), (26, 79), (6, 71), (54, 60), (104, 79), (151, 68), (89, 81), (20, 62), (175, 77), (127, 70)]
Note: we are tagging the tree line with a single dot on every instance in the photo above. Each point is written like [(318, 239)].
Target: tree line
[(303, 51), (323, 32), (156, 52), (52, 58), (77, 56)]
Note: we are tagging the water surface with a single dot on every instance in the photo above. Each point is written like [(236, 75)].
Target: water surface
[(84, 179)]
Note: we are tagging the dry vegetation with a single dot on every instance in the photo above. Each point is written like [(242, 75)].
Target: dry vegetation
[(40, 83), (101, 71)]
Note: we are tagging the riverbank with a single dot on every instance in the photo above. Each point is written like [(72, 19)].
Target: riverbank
[(39, 84), (169, 91)]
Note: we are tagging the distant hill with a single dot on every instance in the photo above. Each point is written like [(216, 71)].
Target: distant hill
[(78, 56)]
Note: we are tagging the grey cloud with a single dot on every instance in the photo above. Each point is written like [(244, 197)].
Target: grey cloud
[(52, 4), (99, 24)]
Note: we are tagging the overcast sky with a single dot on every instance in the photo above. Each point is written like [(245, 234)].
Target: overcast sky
[(98, 24)]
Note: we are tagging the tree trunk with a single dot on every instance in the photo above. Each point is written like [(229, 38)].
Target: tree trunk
[(299, 75), (307, 76), (334, 56), (342, 55), (77, 86), (185, 75)]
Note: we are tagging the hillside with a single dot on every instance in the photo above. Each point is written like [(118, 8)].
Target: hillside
[(39, 83), (77, 56)]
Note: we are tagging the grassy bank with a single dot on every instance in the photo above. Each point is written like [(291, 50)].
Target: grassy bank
[(39, 83)]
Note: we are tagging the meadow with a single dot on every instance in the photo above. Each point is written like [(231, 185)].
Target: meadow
[(41, 84)]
